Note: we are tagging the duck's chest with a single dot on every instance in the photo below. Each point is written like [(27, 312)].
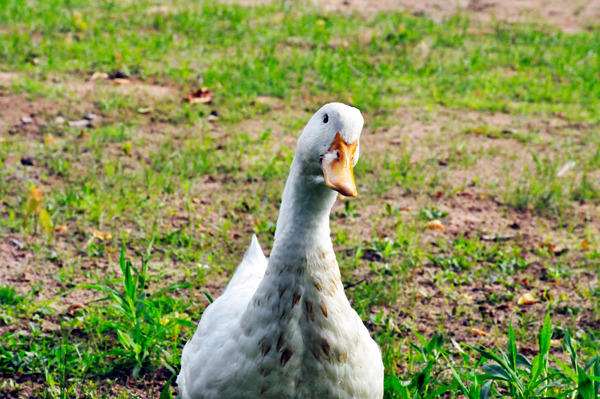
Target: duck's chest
[(305, 340)]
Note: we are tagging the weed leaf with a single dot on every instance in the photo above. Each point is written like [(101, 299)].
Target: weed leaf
[(545, 335), (166, 391), (512, 347), (47, 223), (208, 297), (486, 391), (497, 372)]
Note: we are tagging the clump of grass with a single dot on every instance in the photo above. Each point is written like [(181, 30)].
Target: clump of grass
[(145, 325), (425, 383), (511, 374), (9, 296)]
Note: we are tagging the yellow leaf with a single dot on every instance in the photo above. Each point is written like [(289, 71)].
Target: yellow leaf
[(78, 21), (527, 299), (49, 138), (47, 222), (102, 236), (435, 225), (127, 147), (34, 199)]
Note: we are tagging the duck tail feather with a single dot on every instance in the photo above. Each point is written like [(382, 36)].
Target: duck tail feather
[(253, 265)]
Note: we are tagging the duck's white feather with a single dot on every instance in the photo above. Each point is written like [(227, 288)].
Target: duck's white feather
[(220, 318), (251, 270)]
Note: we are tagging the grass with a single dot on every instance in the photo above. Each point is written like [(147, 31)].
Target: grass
[(143, 216)]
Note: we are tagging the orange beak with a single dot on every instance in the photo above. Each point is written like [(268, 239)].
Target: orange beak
[(338, 172)]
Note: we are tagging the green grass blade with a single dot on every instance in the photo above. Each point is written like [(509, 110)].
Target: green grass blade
[(585, 386), (208, 297), (545, 335), (166, 391), (512, 347), (438, 392), (570, 349), (566, 369), (486, 391)]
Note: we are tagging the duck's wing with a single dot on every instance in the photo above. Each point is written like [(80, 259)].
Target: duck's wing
[(252, 269), (219, 321)]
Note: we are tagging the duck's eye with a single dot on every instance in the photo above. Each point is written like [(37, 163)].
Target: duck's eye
[(326, 118)]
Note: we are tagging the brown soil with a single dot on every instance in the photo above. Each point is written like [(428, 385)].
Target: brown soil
[(571, 16)]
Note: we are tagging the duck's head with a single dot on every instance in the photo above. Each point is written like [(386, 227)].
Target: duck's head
[(329, 147)]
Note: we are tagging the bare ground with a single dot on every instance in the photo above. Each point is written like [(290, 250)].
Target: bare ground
[(571, 16)]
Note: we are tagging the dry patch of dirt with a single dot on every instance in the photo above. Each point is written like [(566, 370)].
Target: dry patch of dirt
[(86, 88), (6, 78), (15, 107), (571, 16)]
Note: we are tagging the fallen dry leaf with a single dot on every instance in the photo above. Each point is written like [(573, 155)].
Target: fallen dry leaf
[(553, 249), (121, 81), (555, 342), (76, 306), (102, 236), (80, 123), (18, 243), (497, 237), (527, 299), (435, 225), (60, 229), (566, 168), (99, 75), (200, 96), (145, 110), (476, 331), (585, 245)]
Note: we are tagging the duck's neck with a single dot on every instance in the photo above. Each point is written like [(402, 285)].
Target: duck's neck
[(301, 291), (303, 224)]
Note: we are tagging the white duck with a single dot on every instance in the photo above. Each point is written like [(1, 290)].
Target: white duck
[(283, 328)]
